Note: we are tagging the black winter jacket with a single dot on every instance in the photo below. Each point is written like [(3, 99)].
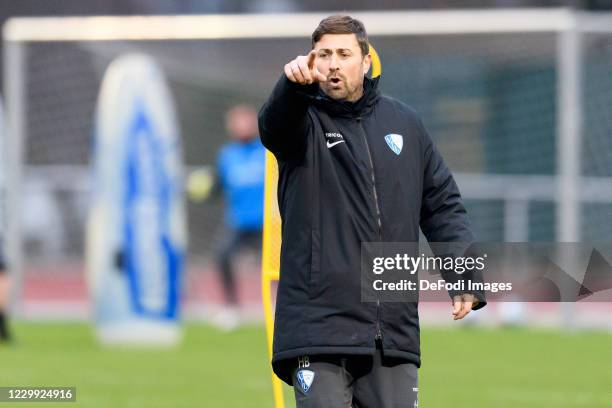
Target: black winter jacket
[(340, 184)]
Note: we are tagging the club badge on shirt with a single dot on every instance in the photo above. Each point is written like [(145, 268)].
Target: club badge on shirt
[(305, 378), (395, 142)]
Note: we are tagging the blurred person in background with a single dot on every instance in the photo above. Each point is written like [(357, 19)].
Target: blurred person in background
[(239, 177), (4, 295)]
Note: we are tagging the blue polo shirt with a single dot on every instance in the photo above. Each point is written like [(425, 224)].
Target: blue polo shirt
[(241, 170)]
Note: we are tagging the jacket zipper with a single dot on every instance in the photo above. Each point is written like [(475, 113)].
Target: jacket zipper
[(378, 219)]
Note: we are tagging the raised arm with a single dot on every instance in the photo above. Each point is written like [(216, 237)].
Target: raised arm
[(283, 119)]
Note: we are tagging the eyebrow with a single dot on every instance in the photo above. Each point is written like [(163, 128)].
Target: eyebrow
[(327, 50)]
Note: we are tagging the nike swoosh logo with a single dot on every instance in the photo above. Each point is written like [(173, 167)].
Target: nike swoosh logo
[(330, 145)]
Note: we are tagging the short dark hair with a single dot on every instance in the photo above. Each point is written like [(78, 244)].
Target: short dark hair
[(339, 24)]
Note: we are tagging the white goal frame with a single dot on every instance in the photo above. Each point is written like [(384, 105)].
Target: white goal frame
[(567, 188)]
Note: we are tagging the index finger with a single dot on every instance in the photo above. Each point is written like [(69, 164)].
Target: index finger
[(312, 55)]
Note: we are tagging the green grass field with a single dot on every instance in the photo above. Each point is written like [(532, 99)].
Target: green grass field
[(468, 367)]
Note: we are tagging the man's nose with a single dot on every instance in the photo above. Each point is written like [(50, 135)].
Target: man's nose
[(333, 64)]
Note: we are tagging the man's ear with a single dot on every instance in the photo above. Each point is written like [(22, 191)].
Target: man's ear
[(367, 62)]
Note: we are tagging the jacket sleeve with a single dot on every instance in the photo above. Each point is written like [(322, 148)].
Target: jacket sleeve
[(443, 217), (283, 119)]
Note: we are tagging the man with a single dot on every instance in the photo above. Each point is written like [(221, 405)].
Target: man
[(239, 175), (4, 295), (340, 184)]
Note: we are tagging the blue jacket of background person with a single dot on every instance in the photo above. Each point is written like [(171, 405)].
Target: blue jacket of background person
[(241, 172)]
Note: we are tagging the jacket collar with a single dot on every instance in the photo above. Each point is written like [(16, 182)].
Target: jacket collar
[(362, 106)]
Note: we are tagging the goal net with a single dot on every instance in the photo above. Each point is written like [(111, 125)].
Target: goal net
[(517, 101)]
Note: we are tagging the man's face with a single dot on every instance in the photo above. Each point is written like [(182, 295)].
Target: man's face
[(339, 59)]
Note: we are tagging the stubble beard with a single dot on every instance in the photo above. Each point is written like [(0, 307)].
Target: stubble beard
[(343, 92)]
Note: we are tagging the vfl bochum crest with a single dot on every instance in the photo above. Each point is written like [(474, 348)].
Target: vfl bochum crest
[(395, 142), (305, 378)]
